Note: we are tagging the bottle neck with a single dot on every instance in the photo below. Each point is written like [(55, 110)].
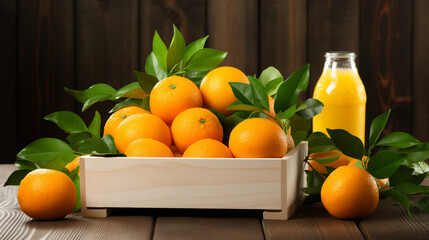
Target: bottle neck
[(334, 63)]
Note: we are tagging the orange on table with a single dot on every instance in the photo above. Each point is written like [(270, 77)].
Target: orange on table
[(208, 148), (349, 193), (46, 194), (172, 96), (148, 148), (216, 91), (321, 168), (117, 117), (258, 138), (195, 124), (141, 126)]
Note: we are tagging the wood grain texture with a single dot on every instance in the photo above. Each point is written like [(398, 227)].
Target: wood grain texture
[(283, 35), (391, 221), (233, 27), (333, 25), (160, 15), (420, 70), (311, 222), (385, 62), (14, 224), (182, 183), (8, 75), (207, 228), (46, 64), (107, 46)]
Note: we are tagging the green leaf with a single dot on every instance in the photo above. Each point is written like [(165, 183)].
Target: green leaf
[(146, 81), (25, 164), (91, 145), (270, 74), (377, 126), (96, 93), (288, 113), (76, 137), (314, 107), (160, 51), (273, 86), (259, 93), (418, 167), (243, 92), (193, 48), (126, 89), (319, 142), (288, 92), (399, 140), (110, 142), (16, 177), (218, 114), (258, 114), (326, 160), (385, 163), (205, 60), (238, 106), (398, 197), (48, 153), (76, 182), (70, 122), (423, 204), (401, 175), (95, 125), (314, 179), (348, 144), (176, 50), (145, 103), (153, 68), (411, 188), (299, 136), (127, 102), (228, 124), (416, 153), (417, 179), (299, 124), (311, 190), (359, 164)]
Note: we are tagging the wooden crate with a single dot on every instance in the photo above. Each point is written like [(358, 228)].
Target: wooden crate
[(270, 184)]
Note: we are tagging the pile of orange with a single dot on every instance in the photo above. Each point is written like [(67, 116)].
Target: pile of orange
[(180, 123)]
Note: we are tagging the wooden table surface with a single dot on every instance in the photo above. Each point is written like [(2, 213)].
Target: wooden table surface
[(389, 221)]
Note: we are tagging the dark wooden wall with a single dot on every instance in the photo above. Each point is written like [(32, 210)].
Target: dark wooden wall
[(48, 44)]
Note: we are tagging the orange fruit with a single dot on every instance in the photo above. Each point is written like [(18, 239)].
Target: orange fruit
[(117, 117), (172, 96), (148, 148), (258, 138), (216, 91), (73, 164), (208, 148), (342, 161), (141, 126), (46, 194), (349, 193), (195, 124)]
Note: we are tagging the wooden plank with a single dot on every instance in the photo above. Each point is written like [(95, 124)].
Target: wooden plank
[(14, 224), (46, 65), (189, 16), (8, 74), (420, 70), (391, 221), (333, 25), (385, 68), (107, 46), (233, 27), (283, 33), (207, 228), (311, 222)]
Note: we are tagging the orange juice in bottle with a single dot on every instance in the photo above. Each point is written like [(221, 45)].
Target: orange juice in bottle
[(343, 94)]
